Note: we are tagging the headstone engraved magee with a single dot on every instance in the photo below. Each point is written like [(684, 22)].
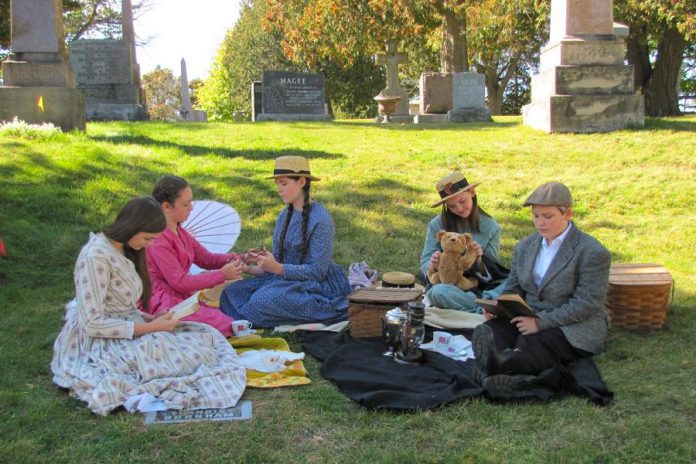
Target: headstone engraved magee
[(292, 97), (39, 85)]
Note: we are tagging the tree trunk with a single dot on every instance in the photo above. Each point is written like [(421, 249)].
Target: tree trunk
[(659, 83), (662, 89), (454, 54)]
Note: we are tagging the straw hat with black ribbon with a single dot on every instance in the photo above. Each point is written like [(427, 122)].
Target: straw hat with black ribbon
[(452, 185), (292, 166)]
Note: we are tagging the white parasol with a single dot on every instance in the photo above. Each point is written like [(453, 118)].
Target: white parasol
[(215, 225)]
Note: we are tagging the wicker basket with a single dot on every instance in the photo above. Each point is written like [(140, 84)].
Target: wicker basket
[(638, 295), (367, 306)]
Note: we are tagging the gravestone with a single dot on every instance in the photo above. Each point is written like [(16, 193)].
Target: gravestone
[(108, 75), (39, 85), (186, 110), (256, 99), (583, 84), (391, 61), (468, 98), (288, 96), (435, 97)]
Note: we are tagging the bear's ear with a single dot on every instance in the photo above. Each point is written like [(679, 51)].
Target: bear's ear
[(440, 235)]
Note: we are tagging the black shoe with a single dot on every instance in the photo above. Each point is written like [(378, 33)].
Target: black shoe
[(504, 382), (484, 349)]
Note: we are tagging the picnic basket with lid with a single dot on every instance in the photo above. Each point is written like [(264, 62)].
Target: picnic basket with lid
[(368, 305), (638, 295)]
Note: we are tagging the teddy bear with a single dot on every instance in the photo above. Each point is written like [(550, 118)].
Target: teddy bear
[(457, 257)]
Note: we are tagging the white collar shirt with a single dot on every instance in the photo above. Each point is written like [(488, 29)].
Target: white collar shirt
[(547, 252)]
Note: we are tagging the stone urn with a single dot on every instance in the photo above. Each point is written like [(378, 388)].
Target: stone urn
[(387, 105)]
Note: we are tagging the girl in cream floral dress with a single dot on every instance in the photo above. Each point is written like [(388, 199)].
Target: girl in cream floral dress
[(109, 352)]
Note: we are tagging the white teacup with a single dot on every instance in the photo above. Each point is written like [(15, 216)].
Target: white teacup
[(441, 340), (241, 328)]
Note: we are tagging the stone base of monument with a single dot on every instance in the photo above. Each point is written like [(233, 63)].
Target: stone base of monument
[(614, 79), (62, 107), (55, 73), (585, 113), (430, 119), (469, 115), (396, 118), (292, 117), (115, 112), (577, 51)]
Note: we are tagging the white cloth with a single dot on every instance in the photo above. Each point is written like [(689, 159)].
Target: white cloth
[(458, 348), (546, 254), (440, 318), (268, 361)]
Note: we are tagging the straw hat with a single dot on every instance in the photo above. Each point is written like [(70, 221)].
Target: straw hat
[(398, 279), (292, 166), (550, 194), (452, 185)]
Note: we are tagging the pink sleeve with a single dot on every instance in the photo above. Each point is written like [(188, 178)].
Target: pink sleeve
[(207, 260), (163, 257)]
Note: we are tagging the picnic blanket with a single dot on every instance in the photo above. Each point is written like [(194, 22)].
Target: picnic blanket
[(362, 373)]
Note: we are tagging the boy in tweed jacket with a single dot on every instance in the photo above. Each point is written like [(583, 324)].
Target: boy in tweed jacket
[(562, 273)]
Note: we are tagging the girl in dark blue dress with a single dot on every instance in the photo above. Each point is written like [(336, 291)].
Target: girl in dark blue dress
[(299, 282)]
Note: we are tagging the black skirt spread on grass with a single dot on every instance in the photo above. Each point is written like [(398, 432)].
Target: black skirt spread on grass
[(362, 373)]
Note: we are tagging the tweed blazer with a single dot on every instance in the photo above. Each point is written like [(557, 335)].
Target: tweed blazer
[(572, 293)]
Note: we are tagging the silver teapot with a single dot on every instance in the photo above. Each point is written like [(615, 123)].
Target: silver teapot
[(393, 322), (412, 334)]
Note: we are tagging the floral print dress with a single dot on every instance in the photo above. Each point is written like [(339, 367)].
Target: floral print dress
[(99, 360)]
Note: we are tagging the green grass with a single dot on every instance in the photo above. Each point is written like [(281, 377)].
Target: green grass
[(634, 191)]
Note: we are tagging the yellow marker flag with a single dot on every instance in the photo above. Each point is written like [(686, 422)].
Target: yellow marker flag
[(40, 104)]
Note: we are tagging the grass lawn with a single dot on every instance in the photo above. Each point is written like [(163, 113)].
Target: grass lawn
[(634, 191)]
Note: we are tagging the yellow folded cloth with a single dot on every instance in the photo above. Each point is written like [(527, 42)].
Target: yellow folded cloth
[(295, 374)]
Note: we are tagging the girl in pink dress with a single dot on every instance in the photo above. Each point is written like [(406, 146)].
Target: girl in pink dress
[(170, 259)]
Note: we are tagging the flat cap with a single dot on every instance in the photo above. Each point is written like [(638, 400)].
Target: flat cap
[(550, 194)]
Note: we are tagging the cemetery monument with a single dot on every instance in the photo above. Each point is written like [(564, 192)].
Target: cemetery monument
[(39, 85), (186, 111)]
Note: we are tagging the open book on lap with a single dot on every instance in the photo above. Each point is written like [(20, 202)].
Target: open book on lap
[(508, 305), (185, 307)]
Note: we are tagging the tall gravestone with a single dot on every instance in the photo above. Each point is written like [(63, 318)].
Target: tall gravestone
[(435, 97), (288, 96), (39, 85), (468, 98), (583, 84), (108, 74), (391, 61), (186, 111)]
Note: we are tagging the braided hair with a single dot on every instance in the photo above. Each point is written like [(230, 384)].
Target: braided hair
[(305, 220)]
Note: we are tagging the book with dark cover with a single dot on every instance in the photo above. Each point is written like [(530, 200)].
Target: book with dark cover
[(508, 305)]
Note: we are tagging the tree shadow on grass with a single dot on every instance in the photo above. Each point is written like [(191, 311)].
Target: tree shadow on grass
[(670, 124), (199, 150), (438, 127)]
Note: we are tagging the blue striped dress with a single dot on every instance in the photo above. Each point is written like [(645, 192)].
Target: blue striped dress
[(311, 290)]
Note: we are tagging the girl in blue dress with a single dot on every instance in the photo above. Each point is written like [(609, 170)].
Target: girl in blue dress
[(297, 283)]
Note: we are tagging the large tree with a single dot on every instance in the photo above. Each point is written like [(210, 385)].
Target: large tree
[(81, 18), (163, 94), (505, 37), (246, 51), (660, 33)]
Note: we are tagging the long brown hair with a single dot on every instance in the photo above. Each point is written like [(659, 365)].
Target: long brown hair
[(141, 214), (305, 220), (453, 223)]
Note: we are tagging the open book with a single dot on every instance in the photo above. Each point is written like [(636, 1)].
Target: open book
[(186, 307), (508, 305)]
